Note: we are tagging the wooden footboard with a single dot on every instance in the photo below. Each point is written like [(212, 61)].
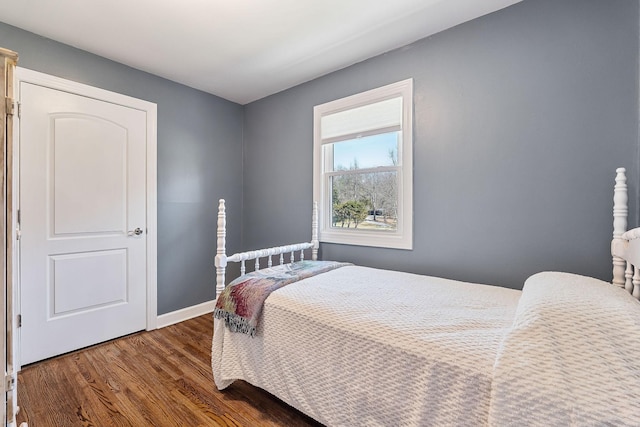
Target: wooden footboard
[(222, 259)]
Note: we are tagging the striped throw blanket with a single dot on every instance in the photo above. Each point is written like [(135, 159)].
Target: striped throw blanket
[(241, 302)]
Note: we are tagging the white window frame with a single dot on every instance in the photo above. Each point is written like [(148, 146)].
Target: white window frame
[(402, 238)]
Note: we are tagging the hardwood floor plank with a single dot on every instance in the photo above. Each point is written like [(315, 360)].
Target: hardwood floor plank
[(99, 396), (157, 378)]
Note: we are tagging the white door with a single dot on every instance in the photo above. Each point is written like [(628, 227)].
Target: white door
[(83, 199)]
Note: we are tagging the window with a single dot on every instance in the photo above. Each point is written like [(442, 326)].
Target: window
[(362, 168)]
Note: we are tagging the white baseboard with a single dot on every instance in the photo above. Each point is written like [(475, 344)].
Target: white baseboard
[(186, 313)]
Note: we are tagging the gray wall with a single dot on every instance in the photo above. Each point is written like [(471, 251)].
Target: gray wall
[(199, 160), (521, 118)]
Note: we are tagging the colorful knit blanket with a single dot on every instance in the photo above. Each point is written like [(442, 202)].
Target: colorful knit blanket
[(241, 302)]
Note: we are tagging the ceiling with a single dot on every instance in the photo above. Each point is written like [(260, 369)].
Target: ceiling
[(241, 50)]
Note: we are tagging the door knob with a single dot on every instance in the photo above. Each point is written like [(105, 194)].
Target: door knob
[(138, 231)]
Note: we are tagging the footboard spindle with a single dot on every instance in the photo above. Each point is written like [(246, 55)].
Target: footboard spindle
[(221, 257)]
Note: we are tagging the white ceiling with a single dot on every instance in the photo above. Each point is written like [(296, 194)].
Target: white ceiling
[(241, 50)]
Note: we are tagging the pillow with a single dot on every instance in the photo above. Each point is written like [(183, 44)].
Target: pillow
[(572, 356)]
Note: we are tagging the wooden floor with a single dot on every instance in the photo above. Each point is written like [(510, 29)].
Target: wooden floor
[(158, 378)]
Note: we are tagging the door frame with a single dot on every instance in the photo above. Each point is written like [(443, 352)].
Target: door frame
[(46, 80), (8, 60)]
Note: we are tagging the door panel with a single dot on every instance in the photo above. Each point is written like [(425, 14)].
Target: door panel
[(70, 273), (89, 159), (83, 189)]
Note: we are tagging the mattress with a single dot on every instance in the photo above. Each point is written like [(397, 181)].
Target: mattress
[(366, 347)]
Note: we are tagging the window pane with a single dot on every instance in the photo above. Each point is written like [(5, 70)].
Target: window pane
[(366, 201), (367, 152)]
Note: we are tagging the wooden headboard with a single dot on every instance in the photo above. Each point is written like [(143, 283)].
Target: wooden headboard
[(625, 246)]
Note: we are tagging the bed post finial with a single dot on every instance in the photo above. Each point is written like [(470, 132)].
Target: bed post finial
[(221, 251), (314, 232), (620, 210)]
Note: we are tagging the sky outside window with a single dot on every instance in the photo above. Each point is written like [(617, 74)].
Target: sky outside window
[(368, 152)]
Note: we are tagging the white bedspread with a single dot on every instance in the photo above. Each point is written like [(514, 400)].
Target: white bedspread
[(365, 347), (572, 357)]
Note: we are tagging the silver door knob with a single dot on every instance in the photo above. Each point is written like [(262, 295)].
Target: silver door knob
[(138, 231)]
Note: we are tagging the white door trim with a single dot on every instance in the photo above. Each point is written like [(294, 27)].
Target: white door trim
[(38, 78)]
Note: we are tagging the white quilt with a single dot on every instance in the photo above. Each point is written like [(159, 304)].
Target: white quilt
[(572, 357), (365, 347)]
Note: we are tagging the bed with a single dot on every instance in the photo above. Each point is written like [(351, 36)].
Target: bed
[(357, 346)]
